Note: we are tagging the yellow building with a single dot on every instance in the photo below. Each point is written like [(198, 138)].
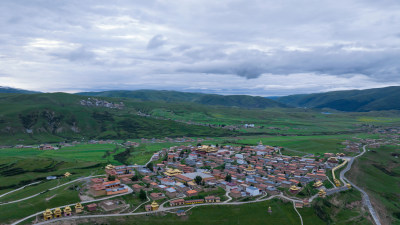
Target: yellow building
[(47, 215), (67, 174), (322, 193), (207, 149), (172, 172), (318, 184), (294, 189), (250, 171), (348, 186), (154, 206), (78, 207), (109, 167), (57, 213), (67, 211)]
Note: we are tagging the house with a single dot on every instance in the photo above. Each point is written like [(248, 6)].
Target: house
[(212, 199), (171, 192), (92, 207), (167, 181), (191, 193), (177, 202), (235, 193), (137, 187), (157, 196), (195, 201), (108, 188), (253, 191)]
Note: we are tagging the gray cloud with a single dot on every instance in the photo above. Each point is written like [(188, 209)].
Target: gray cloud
[(106, 45), (156, 42)]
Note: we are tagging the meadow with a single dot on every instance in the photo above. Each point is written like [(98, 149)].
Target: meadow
[(378, 173)]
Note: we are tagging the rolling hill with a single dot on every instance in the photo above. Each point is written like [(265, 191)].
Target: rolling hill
[(15, 90), (53, 117), (242, 101), (376, 99)]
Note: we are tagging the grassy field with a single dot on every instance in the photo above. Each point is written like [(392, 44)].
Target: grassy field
[(58, 197), (378, 173), (282, 213)]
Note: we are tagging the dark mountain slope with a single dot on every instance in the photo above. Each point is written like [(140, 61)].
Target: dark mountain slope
[(376, 99)]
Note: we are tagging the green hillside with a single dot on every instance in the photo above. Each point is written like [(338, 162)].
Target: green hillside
[(55, 117), (243, 101), (376, 99)]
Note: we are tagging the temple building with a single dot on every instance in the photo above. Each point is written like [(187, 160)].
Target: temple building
[(318, 184), (108, 188), (120, 171), (205, 149), (47, 215), (322, 193), (57, 213), (78, 207), (67, 211), (250, 171), (153, 207), (294, 189), (172, 172)]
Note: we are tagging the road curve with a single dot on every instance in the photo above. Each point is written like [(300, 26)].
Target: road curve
[(84, 202), (50, 189), (365, 196)]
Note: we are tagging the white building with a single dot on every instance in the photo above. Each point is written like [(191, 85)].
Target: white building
[(253, 191)]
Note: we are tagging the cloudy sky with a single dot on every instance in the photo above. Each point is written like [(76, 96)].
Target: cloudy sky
[(265, 47)]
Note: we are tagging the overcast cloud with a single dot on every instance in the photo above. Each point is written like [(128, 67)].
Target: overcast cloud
[(229, 47)]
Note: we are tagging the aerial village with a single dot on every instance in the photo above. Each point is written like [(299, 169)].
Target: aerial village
[(204, 174)]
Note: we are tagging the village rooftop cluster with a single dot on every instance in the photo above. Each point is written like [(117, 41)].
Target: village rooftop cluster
[(186, 175)]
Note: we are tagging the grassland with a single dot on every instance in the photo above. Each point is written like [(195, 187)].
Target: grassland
[(378, 173), (282, 213)]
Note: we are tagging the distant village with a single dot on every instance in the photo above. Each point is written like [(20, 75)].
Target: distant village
[(94, 102)]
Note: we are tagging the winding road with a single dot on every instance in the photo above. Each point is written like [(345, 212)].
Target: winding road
[(50, 189), (166, 209), (344, 180), (366, 200)]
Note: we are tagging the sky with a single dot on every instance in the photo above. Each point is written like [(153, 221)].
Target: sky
[(265, 48)]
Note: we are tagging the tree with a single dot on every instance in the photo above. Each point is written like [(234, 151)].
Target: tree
[(111, 177), (142, 195), (135, 178), (150, 166), (198, 180), (228, 178)]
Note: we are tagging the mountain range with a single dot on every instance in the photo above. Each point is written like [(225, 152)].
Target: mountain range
[(377, 99)]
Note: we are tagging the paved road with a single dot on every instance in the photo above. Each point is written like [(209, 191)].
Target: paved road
[(19, 188), (166, 209), (366, 199), (84, 202), (58, 186)]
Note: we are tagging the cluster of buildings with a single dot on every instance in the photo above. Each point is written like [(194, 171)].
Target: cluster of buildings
[(101, 103), (58, 212), (244, 171), (103, 186), (174, 140)]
